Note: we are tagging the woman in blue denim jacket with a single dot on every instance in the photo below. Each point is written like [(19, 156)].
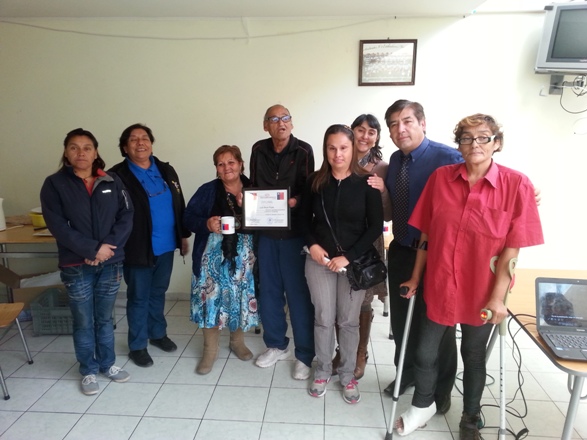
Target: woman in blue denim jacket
[(90, 215)]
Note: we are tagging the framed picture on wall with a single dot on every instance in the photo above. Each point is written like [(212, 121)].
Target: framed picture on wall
[(387, 62)]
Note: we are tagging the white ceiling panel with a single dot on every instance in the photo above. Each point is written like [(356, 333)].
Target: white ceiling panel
[(233, 8)]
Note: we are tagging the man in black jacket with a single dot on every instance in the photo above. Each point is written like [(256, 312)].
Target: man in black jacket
[(283, 161)]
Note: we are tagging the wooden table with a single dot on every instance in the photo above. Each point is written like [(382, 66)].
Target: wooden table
[(522, 301), (19, 242)]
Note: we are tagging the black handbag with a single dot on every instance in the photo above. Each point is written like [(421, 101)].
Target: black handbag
[(365, 271)]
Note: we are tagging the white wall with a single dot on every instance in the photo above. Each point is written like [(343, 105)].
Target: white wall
[(198, 89)]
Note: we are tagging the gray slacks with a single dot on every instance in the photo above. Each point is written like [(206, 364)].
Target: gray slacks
[(334, 301)]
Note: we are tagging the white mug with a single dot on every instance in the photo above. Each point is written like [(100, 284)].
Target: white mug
[(227, 224)]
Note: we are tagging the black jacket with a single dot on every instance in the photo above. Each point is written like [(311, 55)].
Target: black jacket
[(289, 169), (354, 210), (139, 247), (81, 223)]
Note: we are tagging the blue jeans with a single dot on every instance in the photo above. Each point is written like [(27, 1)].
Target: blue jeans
[(92, 292), (146, 300), (473, 351), (282, 269)]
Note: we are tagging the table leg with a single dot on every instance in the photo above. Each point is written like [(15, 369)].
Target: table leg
[(9, 296), (573, 406)]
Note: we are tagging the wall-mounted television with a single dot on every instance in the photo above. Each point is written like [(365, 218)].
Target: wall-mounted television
[(563, 47)]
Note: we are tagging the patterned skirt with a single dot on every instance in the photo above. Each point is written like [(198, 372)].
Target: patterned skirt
[(219, 298)]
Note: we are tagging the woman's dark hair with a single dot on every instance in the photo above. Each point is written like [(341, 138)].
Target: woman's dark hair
[(124, 137), (476, 120), (325, 171), (98, 162), (373, 123), (232, 149)]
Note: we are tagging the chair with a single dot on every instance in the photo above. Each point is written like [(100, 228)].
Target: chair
[(8, 317)]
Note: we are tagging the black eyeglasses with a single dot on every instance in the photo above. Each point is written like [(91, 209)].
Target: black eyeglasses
[(276, 119), (480, 140)]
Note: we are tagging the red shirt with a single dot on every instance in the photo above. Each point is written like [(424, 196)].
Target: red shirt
[(466, 227)]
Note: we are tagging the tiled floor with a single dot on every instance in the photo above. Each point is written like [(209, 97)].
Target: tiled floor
[(237, 400)]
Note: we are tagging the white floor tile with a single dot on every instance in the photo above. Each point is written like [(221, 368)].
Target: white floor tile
[(181, 401), (245, 373), (100, 427), (41, 426), (157, 373), (7, 419), (289, 431), (222, 430), (125, 399), (367, 413), (239, 400), (184, 371), (157, 428), (294, 406), (238, 403), (70, 398), (47, 366), (24, 392)]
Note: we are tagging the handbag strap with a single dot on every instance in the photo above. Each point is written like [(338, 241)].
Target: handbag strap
[(338, 246)]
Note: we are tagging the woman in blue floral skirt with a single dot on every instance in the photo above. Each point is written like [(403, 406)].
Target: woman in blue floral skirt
[(223, 288)]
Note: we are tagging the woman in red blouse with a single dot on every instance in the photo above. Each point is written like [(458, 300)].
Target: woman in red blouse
[(468, 213)]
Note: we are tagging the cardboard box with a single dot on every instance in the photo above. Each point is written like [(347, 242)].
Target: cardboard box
[(26, 288)]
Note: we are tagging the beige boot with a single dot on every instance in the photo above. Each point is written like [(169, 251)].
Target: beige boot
[(210, 350), (365, 319), (237, 344)]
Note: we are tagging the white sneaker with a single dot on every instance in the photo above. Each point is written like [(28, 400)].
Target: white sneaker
[(301, 371), (271, 356)]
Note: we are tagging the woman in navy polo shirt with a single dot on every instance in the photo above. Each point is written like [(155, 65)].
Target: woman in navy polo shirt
[(157, 231)]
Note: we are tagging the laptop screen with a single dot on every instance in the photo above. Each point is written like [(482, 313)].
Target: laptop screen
[(561, 303)]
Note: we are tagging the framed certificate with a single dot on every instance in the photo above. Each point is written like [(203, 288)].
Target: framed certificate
[(266, 208)]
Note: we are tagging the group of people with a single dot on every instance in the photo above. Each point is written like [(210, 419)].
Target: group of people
[(125, 222), (448, 222)]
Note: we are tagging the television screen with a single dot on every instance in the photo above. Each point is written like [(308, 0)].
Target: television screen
[(570, 41), (563, 46)]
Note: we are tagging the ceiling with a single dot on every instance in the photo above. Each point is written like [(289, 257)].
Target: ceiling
[(234, 8)]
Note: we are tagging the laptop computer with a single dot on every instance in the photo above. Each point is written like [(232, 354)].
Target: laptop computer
[(561, 316)]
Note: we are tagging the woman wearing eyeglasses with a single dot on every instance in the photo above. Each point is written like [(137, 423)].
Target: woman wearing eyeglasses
[(367, 131), (157, 231), (468, 213), (223, 287)]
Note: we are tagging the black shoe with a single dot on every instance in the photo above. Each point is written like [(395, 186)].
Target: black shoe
[(469, 427), (443, 402), (141, 357), (164, 344), (402, 388)]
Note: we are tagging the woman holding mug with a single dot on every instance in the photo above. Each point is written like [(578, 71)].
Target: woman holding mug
[(223, 287)]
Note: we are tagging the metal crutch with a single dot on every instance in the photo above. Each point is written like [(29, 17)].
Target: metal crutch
[(400, 367), (502, 328)]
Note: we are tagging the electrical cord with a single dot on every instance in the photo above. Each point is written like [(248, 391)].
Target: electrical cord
[(578, 87), (490, 380)]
